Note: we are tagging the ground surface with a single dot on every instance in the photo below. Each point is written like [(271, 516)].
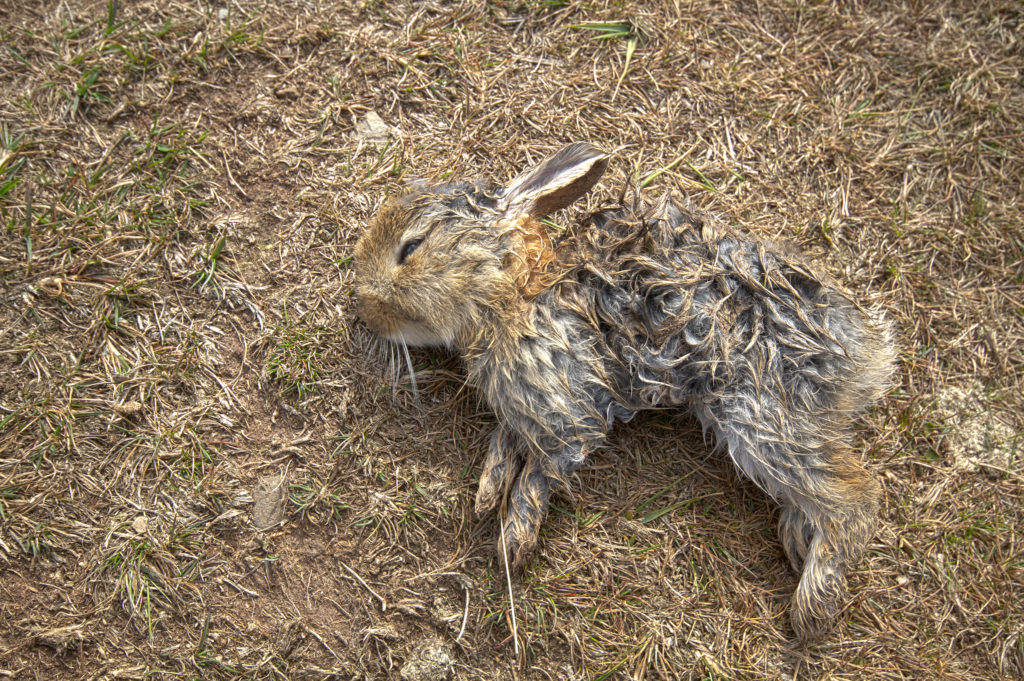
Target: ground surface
[(181, 184)]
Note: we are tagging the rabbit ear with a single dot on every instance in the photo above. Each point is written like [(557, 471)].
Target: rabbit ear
[(555, 183)]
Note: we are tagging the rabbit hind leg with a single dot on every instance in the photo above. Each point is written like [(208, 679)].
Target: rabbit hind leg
[(844, 519), (829, 507)]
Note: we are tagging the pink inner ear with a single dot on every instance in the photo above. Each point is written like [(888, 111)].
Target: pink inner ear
[(555, 183)]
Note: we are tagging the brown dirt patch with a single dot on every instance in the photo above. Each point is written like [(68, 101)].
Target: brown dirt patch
[(181, 185)]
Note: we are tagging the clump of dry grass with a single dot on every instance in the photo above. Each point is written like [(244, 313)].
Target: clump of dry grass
[(180, 188)]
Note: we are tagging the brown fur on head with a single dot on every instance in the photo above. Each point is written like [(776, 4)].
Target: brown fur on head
[(439, 263)]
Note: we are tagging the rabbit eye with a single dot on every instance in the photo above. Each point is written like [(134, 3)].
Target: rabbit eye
[(408, 249)]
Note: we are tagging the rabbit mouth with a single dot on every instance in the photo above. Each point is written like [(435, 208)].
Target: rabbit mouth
[(396, 326), (408, 332), (401, 328), (417, 335)]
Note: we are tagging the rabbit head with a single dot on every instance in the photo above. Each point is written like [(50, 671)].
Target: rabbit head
[(438, 258)]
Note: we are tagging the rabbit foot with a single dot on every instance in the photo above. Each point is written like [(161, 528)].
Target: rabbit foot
[(821, 592), (528, 504), (500, 470)]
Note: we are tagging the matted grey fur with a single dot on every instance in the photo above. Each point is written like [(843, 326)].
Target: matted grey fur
[(643, 306)]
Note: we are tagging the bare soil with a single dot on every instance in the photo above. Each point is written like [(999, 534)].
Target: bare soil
[(181, 185)]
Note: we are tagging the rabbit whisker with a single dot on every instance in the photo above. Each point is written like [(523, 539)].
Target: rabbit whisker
[(393, 369), (511, 596), (412, 374)]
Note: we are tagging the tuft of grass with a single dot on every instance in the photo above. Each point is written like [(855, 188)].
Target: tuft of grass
[(152, 570), (295, 355), (609, 30), (612, 30), (320, 500), (205, 276)]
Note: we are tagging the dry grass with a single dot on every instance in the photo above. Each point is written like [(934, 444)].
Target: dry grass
[(180, 188)]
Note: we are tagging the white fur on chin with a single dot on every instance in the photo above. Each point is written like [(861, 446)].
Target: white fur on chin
[(418, 336)]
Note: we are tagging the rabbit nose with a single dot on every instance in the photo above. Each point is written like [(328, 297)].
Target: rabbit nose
[(372, 310), (366, 303)]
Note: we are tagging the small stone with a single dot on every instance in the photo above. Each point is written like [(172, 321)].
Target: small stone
[(140, 524), (268, 502), (372, 128), (128, 409), (430, 662), (287, 92)]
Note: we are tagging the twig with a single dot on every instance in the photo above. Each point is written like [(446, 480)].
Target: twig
[(465, 616), (231, 178), (383, 603), (247, 592), (323, 643)]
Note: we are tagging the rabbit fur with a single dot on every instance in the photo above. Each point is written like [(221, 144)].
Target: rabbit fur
[(641, 306)]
